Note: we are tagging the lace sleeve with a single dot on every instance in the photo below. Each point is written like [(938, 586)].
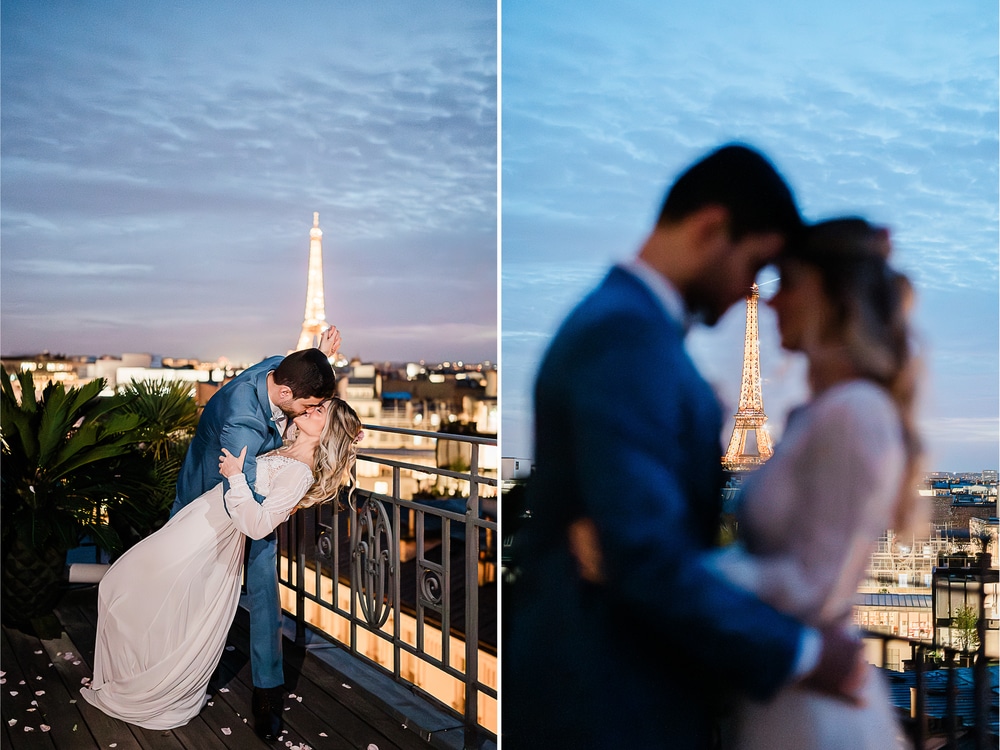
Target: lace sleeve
[(257, 520)]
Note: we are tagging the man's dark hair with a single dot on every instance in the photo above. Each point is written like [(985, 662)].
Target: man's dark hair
[(745, 183), (308, 373)]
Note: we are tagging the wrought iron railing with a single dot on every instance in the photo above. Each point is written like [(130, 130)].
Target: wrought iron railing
[(946, 699), (408, 583)]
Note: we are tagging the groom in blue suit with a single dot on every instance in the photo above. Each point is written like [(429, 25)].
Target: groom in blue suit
[(252, 410), (619, 636)]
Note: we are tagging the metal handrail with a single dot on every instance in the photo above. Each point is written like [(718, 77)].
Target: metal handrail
[(917, 726), (360, 549)]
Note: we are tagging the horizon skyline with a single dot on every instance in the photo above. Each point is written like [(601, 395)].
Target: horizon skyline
[(161, 356)]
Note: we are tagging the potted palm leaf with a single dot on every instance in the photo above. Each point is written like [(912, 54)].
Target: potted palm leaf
[(62, 468), (169, 419)]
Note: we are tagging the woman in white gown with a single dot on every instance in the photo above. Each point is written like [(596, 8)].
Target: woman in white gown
[(842, 474), (165, 607)]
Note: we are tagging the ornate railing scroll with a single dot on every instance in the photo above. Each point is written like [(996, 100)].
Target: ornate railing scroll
[(402, 572), (373, 561)]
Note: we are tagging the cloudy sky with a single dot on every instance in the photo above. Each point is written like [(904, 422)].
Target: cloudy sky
[(888, 109), (161, 163)]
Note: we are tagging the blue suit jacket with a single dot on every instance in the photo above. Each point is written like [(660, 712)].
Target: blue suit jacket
[(239, 414), (627, 433)]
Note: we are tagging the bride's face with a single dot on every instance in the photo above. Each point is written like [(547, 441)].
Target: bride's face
[(801, 305), (312, 422)]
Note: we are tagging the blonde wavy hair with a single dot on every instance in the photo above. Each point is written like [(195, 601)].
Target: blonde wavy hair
[(335, 455), (872, 303)]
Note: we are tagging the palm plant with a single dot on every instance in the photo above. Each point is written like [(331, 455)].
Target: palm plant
[(61, 469), (169, 419)]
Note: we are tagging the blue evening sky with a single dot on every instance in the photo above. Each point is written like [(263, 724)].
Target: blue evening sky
[(161, 163), (888, 109)]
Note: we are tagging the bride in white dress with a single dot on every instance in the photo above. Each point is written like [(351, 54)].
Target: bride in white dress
[(165, 607), (842, 474)]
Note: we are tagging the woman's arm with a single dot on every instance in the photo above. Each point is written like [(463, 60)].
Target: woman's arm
[(257, 520)]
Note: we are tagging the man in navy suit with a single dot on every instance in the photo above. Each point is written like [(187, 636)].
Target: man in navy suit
[(632, 646), (253, 410)]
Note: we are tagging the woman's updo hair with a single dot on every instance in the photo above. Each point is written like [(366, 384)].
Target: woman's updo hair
[(871, 303)]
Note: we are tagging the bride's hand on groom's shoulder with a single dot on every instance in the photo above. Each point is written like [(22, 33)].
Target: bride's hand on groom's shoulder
[(230, 464)]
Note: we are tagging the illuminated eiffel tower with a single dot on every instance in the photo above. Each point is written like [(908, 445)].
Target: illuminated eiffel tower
[(750, 446), (314, 322)]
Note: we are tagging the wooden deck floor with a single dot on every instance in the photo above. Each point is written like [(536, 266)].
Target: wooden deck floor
[(328, 706)]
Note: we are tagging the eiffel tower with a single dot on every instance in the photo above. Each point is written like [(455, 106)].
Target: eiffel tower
[(750, 445), (314, 322)]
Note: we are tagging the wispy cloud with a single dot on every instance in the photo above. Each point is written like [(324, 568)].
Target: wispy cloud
[(147, 137)]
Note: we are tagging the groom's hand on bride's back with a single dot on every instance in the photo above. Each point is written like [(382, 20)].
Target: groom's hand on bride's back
[(841, 671)]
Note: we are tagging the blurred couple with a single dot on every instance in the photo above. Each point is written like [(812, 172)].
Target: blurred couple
[(628, 627)]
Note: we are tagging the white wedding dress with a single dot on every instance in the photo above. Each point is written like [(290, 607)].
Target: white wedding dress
[(810, 518), (165, 607)]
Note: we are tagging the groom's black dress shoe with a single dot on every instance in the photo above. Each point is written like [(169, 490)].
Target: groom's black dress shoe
[(268, 712)]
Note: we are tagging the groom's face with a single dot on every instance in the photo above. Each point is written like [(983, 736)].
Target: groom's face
[(296, 407), (728, 278)]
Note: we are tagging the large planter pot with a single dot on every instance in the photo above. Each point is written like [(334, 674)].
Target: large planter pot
[(31, 585)]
